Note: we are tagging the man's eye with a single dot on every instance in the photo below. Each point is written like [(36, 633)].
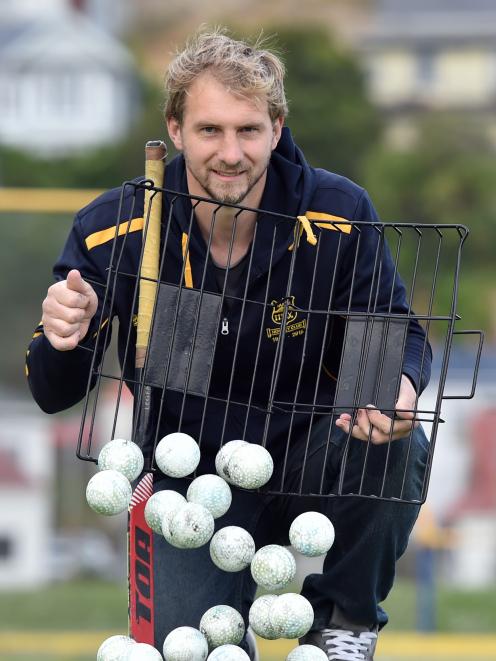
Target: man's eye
[(209, 130), (250, 129)]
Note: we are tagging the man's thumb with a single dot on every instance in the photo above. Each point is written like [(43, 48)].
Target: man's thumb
[(76, 283)]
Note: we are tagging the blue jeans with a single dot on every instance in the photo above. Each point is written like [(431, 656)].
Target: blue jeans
[(359, 570)]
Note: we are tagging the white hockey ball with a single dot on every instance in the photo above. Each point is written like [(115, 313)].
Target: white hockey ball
[(307, 653), (259, 617), (142, 652), (123, 456), (108, 492), (161, 503), (312, 534), (273, 567), (114, 648), (250, 466), (222, 625), (291, 615), (212, 492), (177, 454), (190, 527), (223, 456), (185, 644), (228, 653), (232, 548)]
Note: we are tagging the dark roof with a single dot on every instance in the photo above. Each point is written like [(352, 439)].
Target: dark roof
[(431, 23), (429, 6)]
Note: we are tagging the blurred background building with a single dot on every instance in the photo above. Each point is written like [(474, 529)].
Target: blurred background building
[(432, 55), (399, 95), (65, 83)]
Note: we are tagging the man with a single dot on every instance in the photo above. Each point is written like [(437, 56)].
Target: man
[(225, 113)]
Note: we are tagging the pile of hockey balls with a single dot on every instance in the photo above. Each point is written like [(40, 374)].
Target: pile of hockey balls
[(189, 522)]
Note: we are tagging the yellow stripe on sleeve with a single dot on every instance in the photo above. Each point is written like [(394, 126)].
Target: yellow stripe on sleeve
[(103, 236)]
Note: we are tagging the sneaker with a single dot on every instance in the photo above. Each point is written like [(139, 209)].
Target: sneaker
[(344, 641), (251, 644)]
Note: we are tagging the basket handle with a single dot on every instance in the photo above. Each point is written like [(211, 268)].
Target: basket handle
[(476, 365)]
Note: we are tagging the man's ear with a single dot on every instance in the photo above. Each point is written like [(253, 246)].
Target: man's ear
[(277, 129), (174, 129)]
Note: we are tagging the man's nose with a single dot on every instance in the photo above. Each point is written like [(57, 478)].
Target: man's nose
[(231, 152)]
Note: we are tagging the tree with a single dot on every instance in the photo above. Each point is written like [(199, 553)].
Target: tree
[(446, 177), (330, 115)]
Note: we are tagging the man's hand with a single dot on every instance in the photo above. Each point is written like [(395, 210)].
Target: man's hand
[(68, 308), (371, 424)]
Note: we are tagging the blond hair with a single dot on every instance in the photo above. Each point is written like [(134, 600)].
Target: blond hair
[(245, 70)]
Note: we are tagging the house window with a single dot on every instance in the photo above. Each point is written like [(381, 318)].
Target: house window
[(6, 548), (59, 93), (9, 97), (426, 68)]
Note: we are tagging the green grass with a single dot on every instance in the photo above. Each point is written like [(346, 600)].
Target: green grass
[(77, 605), (93, 606)]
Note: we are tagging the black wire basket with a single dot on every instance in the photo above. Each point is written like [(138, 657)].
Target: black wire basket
[(274, 350)]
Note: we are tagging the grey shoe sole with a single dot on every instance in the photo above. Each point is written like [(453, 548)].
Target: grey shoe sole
[(252, 645)]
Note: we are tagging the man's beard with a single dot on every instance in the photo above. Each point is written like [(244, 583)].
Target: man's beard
[(228, 196)]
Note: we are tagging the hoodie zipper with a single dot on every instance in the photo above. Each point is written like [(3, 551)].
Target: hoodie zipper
[(224, 329)]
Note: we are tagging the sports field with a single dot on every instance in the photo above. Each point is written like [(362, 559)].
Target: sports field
[(77, 646), (67, 622)]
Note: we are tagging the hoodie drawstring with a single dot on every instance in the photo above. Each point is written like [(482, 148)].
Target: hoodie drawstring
[(188, 275)]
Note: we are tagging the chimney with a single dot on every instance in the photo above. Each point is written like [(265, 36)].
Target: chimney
[(78, 5)]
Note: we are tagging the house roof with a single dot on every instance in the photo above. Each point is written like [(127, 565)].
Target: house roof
[(63, 40), (447, 6), (431, 21)]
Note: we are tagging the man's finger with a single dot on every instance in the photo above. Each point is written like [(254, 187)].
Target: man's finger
[(76, 283), (379, 420)]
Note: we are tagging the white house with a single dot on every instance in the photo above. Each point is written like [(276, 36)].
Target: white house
[(65, 84), (26, 506)]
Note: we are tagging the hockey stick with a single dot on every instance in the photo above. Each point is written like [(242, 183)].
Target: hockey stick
[(140, 537)]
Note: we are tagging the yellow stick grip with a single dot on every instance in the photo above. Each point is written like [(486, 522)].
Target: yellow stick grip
[(155, 153)]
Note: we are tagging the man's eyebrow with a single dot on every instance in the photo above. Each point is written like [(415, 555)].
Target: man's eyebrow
[(203, 123)]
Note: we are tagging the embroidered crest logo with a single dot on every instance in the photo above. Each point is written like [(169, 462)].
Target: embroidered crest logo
[(278, 311), (293, 327)]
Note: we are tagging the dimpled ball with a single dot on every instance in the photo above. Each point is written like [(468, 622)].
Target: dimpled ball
[(232, 548), (228, 653), (291, 615), (259, 617), (273, 567), (161, 503), (222, 625), (108, 492), (123, 456), (311, 534), (190, 527), (212, 492), (250, 466), (114, 648), (223, 456), (142, 652), (185, 644), (307, 653), (177, 454)]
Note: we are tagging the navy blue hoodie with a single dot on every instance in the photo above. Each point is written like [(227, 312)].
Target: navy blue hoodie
[(339, 274)]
